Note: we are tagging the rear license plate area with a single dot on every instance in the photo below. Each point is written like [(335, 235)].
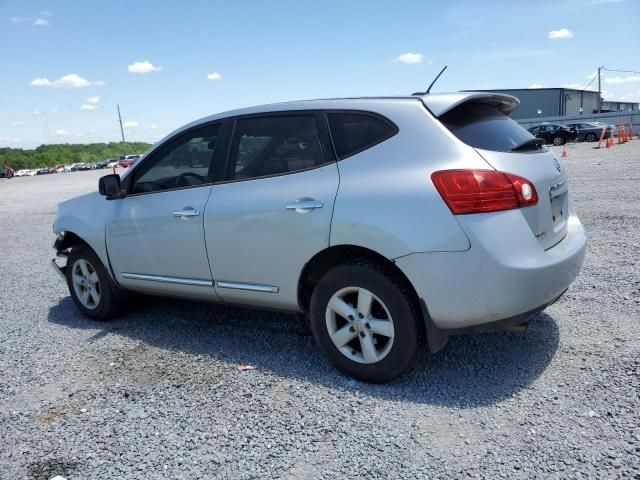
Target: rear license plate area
[(559, 206)]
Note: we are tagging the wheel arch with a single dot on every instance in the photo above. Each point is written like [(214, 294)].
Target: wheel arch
[(333, 256)]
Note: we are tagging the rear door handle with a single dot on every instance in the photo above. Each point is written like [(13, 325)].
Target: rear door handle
[(303, 205), (187, 212)]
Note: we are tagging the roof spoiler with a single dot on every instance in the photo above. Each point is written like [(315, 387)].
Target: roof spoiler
[(440, 103)]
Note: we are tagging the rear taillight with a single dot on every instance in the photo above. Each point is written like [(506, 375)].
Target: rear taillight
[(481, 191)]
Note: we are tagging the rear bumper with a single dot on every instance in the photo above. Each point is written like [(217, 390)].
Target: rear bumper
[(505, 276)]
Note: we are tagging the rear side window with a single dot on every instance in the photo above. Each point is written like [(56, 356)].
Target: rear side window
[(483, 126), (355, 132), (274, 145)]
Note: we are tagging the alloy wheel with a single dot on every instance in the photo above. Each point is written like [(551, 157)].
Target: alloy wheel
[(86, 284), (359, 325)]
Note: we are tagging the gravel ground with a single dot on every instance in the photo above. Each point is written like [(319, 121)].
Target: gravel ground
[(156, 394)]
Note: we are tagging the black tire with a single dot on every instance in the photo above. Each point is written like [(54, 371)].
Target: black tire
[(111, 296), (398, 302), (559, 140), (590, 137)]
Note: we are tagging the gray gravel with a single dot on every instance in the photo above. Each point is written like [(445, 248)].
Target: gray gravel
[(156, 394)]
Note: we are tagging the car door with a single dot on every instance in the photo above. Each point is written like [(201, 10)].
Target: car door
[(274, 211), (155, 236)]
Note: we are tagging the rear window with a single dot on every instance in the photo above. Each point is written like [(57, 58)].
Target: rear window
[(355, 132), (483, 126)]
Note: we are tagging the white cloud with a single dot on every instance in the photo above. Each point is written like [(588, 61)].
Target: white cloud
[(621, 80), (575, 86), (214, 76), (46, 13), (89, 106), (19, 19), (143, 67), (9, 139), (61, 132), (154, 126), (16, 124), (40, 22), (36, 112), (93, 100), (131, 124), (411, 58), (68, 81), (562, 33), (535, 85)]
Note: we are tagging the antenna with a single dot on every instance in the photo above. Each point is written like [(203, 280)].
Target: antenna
[(436, 79)]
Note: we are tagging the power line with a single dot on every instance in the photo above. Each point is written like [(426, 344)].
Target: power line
[(620, 71)]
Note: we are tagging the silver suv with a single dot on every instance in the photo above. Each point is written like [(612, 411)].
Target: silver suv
[(390, 221)]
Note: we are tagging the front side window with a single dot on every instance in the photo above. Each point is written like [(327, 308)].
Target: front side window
[(184, 162), (274, 145), (355, 132)]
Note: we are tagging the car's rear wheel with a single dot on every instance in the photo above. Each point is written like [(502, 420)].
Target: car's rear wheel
[(559, 140), (91, 288), (590, 137), (364, 321)]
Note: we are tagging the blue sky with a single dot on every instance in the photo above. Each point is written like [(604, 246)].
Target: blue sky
[(66, 64)]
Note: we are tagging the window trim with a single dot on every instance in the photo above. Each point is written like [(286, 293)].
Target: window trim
[(394, 128), (223, 135), (323, 134)]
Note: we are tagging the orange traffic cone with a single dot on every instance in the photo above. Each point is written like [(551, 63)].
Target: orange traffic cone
[(610, 143), (564, 151)]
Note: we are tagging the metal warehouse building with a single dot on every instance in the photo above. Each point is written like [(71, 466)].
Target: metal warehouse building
[(560, 102)]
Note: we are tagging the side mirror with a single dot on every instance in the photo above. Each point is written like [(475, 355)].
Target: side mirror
[(109, 186)]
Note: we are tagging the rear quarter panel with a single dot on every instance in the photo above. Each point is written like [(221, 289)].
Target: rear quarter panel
[(386, 200)]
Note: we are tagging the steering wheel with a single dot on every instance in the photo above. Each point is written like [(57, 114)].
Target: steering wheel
[(181, 181)]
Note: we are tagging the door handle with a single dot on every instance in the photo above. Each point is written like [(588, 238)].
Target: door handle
[(303, 205), (186, 212)]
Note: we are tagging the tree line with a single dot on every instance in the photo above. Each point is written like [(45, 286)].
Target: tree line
[(66, 153)]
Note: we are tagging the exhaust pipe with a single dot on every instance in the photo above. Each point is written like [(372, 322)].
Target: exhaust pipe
[(517, 328)]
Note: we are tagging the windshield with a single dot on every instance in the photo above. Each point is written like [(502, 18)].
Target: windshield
[(483, 126)]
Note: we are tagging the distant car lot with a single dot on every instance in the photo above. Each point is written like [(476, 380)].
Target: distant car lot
[(124, 161), (90, 400)]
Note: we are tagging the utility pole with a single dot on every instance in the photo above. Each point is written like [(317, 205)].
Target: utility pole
[(599, 93), (122, 129)]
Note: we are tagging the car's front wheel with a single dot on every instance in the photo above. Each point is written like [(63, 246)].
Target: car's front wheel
[(590, 137), (558, 140), (90, 286), (365, 321)]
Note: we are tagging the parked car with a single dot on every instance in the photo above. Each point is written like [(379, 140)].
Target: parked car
[(588, 131), (394, 219), (21, 173), (553, 133), (7, 172), (43, 171), (101, 164), (613, 128), (128, 160)]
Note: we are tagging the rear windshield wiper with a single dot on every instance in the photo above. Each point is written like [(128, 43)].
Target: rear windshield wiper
[(532, 143)]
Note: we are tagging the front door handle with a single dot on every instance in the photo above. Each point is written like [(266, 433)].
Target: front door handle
[(303, 205), (187, 212)]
